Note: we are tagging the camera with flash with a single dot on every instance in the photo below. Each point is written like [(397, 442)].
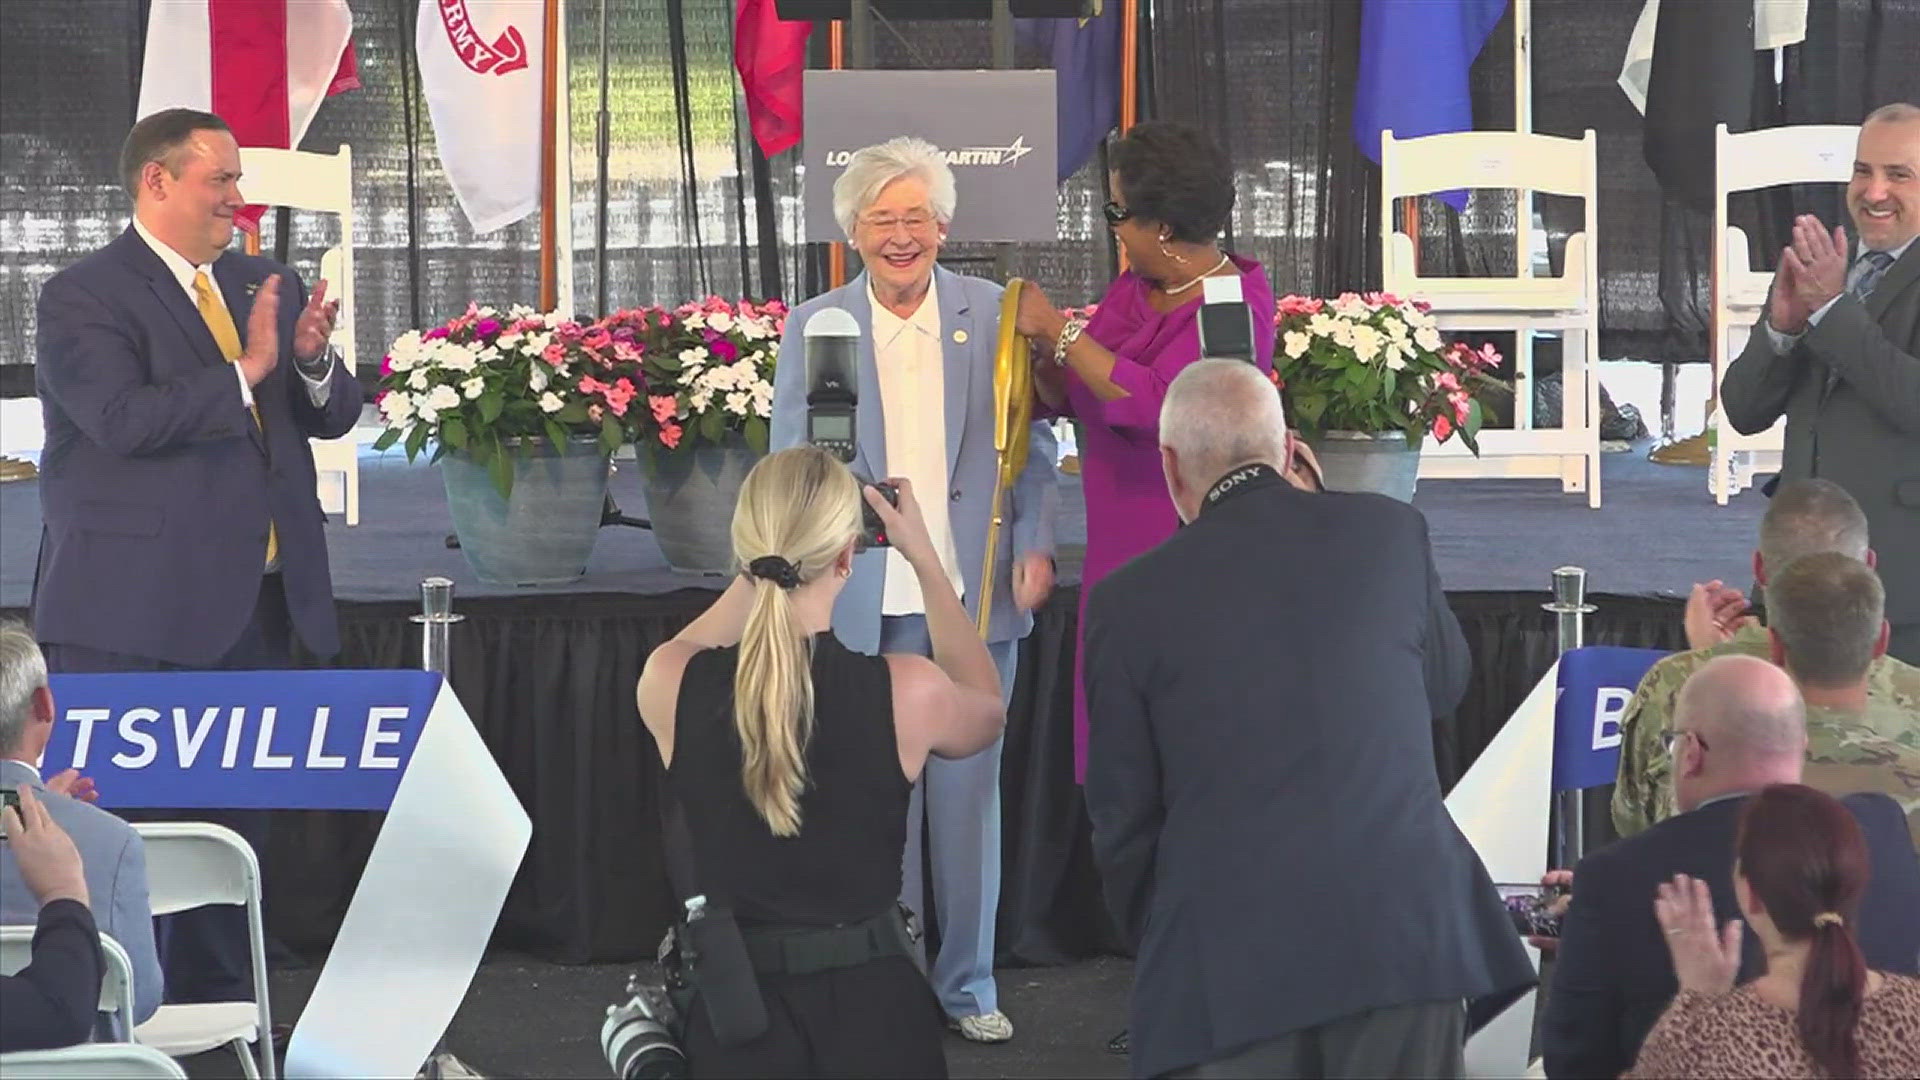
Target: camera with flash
[(832, 339)]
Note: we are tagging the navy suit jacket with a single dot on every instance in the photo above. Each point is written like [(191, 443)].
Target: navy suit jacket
[(156, 485), (1614, 976)]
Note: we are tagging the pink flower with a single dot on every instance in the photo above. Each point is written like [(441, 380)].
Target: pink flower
[(487, 327), (626, 352), (619, 395), (597, 338), (591, 385), (434, 334), (1448, 381), (386, 365), (726, 350), (664, 408), (595, 413), (1489, 356), (555, 354), (670, 435), (1462, 407), (1442, 427)]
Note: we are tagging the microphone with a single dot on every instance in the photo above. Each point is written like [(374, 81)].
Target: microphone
[(832, 339), (1226, 322)]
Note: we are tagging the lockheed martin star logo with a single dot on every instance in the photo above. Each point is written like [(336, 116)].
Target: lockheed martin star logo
[(976, 156)]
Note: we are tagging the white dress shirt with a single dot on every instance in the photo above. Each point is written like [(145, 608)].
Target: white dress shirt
[(913, 400), (1783, 343), (319, 390)]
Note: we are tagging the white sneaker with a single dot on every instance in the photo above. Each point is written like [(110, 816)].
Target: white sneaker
[(993, 1027)]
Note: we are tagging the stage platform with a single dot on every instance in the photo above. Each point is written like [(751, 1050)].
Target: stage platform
[(548, 677)]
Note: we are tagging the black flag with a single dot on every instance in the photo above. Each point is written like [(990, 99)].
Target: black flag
[(1703, 72)]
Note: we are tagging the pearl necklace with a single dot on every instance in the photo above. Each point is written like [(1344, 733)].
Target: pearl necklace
[(1214, 269)]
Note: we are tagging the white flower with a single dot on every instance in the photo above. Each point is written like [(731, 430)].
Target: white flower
[(459, 359), (418, 380), (1395, 362), (763, 399), (737, 403), (1343, 334), (1322, 325), (1350, 306), (693, 357), (1367, 342), (1427, 338), (508, 340), (720, 322), (537, 377), (489, 354), (396, 409), (443, 398), (551, 403), (538, 342), (423, 407), (1296, 343), (1396, 329), (697, 320), (474, 387), (699, 400)]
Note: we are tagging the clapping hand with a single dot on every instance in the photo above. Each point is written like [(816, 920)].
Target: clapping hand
[(263, 333), (1705, 960), (1812, 271), (1714, 614), (74, 786), (314, 328)]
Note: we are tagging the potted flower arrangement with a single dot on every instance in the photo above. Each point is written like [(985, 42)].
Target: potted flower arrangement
[(1368, 377), (523, 411), (707, 370)]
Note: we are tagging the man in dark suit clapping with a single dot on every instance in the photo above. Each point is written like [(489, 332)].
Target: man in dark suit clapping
[(180, 383), (1266, 814)]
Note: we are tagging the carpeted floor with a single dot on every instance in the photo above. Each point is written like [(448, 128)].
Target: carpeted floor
[(1657, 532)]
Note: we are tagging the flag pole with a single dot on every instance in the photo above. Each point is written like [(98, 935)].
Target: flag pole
[(549, 138), (836, 61)]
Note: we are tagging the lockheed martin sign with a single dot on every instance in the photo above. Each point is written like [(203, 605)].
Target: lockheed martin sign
[(996, 128)]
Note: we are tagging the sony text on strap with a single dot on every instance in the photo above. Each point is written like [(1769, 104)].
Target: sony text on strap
[(393, 741)]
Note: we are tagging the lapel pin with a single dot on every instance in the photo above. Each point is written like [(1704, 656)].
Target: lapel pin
[(960, 337), (253, 287)]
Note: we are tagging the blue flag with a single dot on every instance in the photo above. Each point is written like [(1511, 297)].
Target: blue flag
[(1414, 61), (1086, 61), (1596, 683)]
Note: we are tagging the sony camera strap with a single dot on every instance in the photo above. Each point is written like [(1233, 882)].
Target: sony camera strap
[(1244, 478)]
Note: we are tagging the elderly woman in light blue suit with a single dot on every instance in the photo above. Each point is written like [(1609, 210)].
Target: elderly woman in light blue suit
[(926, 414)]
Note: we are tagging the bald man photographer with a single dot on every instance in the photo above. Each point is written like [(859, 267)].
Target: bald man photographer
[(1252, 728)]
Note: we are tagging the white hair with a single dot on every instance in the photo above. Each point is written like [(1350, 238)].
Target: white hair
[(23, 670), (1220, 415), (871, 168)]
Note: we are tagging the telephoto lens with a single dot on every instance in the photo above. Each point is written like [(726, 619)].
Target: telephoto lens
[(637, 1036)]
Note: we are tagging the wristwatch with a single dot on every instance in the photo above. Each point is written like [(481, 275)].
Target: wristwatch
[(1069, 334)]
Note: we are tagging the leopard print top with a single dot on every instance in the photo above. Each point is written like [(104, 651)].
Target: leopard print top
[(1739, 1035)]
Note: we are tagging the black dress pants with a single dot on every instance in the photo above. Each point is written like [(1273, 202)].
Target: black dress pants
[(879, 1019), (1427, 1040), (205, 954)]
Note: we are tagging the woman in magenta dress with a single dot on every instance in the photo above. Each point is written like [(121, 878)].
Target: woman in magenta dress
[(1172, 193)]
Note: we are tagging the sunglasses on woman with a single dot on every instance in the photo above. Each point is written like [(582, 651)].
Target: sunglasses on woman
[(1116, 214)]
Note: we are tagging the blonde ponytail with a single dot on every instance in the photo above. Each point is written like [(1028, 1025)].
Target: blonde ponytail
[(799, 510)]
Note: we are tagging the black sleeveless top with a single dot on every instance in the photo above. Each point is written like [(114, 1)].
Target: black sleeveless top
[(844, 865)]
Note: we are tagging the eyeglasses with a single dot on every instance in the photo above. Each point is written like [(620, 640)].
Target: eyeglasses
[(1668, 738), (1116, 214), (915, 223)]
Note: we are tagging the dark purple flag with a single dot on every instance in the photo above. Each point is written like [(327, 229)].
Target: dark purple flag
[(1086, 60)]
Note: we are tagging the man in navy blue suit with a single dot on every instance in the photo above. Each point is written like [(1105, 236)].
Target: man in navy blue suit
[(180, 383)]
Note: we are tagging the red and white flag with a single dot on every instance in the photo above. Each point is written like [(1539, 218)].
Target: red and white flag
[(480, 70), (263, 66)]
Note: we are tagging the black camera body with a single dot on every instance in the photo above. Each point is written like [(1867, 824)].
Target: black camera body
[(833, 401)]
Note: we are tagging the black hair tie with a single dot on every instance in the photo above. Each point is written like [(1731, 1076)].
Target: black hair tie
[(777, 570)]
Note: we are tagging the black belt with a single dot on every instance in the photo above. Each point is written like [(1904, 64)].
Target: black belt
[(805, 951)]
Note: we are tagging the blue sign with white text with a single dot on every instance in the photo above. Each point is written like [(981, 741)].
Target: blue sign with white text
[(1596, 683), (280, 740)]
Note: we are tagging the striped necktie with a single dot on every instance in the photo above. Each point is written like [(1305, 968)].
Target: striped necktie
[(1877, 263), (220, 322)]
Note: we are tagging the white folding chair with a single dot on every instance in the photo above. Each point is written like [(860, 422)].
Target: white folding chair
[(1523, 303), (191, 864), (322, 182), (116, 987), (91, 1061), (1752, 161)]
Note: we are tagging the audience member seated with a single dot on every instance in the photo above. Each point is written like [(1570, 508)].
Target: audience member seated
[(116, 861), (1826, 617), (1806, 517), (1739, 726), (53, 1001), (1801, 867)]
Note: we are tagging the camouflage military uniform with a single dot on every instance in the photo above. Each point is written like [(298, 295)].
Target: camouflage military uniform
[(1844, 756), (1643, 792)]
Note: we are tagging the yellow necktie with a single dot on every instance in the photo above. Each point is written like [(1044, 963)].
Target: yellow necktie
[(220, 321)]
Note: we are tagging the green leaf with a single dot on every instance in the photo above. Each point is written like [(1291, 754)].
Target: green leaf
[(573, 412), (610, 435), (713, 426), (501, 469), (387, 439), (491, 403), (480, 450), (453, 433), (416, 439), (757, 435), (557, 435)]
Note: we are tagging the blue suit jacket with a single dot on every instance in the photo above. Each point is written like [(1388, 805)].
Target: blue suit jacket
[(970, 305), (156, 485), (116, 866)]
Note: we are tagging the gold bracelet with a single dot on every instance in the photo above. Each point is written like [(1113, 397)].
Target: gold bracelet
[(1069, 334)]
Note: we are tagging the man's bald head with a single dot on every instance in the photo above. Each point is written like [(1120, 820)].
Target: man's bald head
[(1218, 415), (1745, 726)]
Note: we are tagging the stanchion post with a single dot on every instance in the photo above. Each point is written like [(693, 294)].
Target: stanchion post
[(436, 620), (1570, 609)]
